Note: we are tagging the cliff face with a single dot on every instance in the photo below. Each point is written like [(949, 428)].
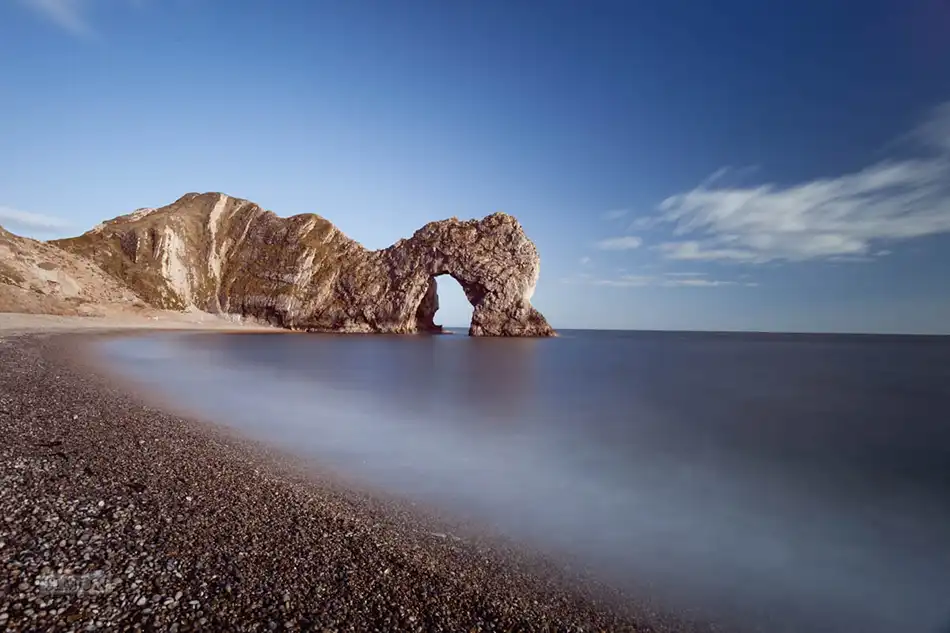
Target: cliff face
[(39, 278), (227, 255)]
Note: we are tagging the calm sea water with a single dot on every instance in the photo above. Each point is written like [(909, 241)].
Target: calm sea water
[(777, 482)]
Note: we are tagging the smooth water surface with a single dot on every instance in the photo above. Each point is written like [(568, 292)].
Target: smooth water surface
[(783, 482)]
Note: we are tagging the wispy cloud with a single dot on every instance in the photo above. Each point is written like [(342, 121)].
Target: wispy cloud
[(74, 15), (845, 216), (25, 220), (614, 214), (670, 280), (644, 223), (692, 250), (67, 14), (850, 259), (935, 131), (733, 173), (702, 283), (625, 243), (584, 261)]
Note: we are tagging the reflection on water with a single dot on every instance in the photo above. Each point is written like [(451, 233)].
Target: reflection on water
[(503, 379), (791, 483)]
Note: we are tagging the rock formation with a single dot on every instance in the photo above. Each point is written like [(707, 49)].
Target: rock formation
[(227, 255), (39, 278)]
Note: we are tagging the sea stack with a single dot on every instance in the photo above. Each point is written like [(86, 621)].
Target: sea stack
[(226, 255)]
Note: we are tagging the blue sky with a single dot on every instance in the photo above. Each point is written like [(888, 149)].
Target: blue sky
[(735, 165)]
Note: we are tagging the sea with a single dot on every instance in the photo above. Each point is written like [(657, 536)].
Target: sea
[(767, 482)]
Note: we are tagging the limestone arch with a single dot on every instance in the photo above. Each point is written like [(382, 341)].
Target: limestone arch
[(474, 292)]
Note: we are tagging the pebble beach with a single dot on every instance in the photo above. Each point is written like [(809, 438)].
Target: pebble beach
[(117, 515)]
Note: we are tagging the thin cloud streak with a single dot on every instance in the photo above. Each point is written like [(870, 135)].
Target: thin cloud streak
[(935, 131), (67, 14), (625, 243), (72, 15), (614, 214), (846, 216), (644, 281), (25, 220), (644, 223)]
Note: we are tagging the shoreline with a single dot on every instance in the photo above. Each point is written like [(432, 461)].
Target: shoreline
[(15, 323), (180, 523)]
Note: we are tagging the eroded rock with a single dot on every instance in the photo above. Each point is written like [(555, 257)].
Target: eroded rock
[(227, 255), (38, 278)]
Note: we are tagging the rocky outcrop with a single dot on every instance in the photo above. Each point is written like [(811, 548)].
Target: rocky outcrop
[(39, 278), (226, 255)]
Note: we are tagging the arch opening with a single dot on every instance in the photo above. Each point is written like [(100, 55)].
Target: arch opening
[(445, 306)]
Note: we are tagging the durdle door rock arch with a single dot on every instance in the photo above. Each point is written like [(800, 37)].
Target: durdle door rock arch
[(226, 255)]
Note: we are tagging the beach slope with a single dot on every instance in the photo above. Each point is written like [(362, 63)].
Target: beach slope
[(116, 514)]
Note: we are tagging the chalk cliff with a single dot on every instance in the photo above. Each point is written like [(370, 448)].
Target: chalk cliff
[(226, 255)]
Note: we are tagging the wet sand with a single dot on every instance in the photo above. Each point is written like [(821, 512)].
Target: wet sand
[(117, 515)]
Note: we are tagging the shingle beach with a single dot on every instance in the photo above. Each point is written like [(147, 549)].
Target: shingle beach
[(115, 515)]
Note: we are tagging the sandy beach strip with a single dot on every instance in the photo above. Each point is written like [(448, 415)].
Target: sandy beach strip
[(115, 515)]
